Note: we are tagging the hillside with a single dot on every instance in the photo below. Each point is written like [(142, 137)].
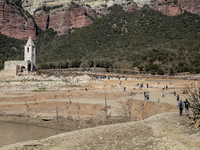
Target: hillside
[(10, 49), (146, 39)]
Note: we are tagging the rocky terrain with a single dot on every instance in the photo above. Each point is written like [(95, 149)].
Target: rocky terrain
[(31, 5), (13, 24)]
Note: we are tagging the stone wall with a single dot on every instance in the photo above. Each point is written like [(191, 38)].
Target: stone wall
[(12, 65)]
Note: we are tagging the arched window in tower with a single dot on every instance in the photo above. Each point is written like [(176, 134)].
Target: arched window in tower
[(27, 49)]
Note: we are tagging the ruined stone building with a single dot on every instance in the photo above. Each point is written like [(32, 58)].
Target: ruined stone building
[(29, 60)]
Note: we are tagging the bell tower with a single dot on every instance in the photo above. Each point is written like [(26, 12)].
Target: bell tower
[(29, 54)]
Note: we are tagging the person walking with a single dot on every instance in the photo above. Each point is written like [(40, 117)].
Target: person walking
[(174, 93), (187, 105), (177, 97), (124, 89), (181, 106), (145, 97)]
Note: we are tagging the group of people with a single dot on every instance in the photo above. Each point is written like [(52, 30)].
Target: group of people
[(164, 87), (163, 94), (181, 105)]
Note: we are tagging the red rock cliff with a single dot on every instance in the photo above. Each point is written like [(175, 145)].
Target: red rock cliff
[(14, 25), (176, 7), (63, 18)]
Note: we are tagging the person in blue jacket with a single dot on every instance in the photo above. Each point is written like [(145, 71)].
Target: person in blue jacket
[(181, 106)]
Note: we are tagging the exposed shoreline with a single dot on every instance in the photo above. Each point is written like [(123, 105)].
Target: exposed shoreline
[(157, 132)]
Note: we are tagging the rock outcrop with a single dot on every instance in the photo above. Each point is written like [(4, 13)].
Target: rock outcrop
[(31, 5), (176, 7), (192, 6), (64, 18), (42, 20), (13, 24), (131, 8)]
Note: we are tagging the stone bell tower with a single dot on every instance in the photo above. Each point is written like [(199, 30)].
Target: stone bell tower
[(29, 54)]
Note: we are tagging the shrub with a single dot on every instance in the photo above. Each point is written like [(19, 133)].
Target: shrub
[(153, 72), (140, 68), (160, 72)]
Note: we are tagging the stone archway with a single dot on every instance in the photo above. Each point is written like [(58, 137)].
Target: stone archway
[(23, 68), (29, 67)]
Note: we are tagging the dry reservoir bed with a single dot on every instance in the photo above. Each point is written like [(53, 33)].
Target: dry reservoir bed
[(69, 106)]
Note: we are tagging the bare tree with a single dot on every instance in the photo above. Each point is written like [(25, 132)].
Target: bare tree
[(106, 108), (78, 120), (27, 105), (192, 94), (35, 101), (69, 113), (57, 119), (142, 109), (125, 109)]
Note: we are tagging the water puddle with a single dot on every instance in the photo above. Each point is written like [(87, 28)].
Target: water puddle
[(13, 133)]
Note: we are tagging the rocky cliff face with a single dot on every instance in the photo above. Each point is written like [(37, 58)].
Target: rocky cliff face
[(176, 7), (14, 25), (192, 6), (42, 20), (64, 18), (31, 5)]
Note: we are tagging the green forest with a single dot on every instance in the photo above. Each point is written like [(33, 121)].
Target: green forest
[(146, 39)]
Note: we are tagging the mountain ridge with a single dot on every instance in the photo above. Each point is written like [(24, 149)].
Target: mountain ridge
[(16, 20)]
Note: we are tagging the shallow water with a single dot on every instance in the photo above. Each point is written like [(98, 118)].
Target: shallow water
[(13, 133)]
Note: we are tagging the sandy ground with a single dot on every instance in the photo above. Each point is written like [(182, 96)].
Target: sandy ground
[(163, 131)]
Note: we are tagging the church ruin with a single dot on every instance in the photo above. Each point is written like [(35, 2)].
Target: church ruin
[(23, 66)]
